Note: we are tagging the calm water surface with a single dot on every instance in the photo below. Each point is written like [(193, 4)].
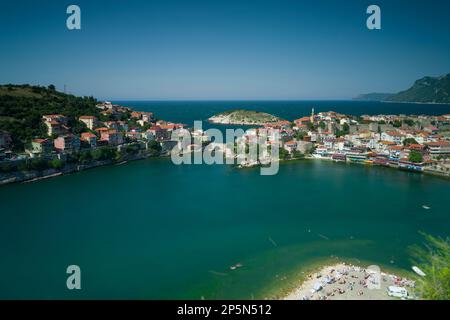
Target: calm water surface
[(150, 229)]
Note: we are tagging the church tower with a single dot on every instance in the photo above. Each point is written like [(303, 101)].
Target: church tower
[(312, 115)]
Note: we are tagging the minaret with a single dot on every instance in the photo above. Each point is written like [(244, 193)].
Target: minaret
[(312, 115)]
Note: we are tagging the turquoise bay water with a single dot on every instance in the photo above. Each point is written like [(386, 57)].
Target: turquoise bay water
[(153, 230)]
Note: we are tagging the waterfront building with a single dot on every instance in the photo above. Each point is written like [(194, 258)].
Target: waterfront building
[(56, 124), (111, 136), (90, 138), (55, 117), (134, 135), (290, 146), (5, 140), (439, 148), (67, 143), (89, 121), (356, 156), (393, 136), (302, 121), (148, 135), (41, 147)]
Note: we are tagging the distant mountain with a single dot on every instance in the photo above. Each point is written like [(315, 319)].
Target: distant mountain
[(425, 90), (373, 96)]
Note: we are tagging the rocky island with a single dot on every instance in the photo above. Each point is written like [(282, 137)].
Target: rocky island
[(243, 117)]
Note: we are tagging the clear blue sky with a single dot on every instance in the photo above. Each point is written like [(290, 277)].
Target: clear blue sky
[(168, 49)]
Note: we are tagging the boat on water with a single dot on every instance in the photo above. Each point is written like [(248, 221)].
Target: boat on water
[(236, 266), (418, 271), (426, 207)]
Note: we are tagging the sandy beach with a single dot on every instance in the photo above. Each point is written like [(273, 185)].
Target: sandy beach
[(348, 282)]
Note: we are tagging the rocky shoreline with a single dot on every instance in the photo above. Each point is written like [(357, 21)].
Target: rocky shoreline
[(35, 175)]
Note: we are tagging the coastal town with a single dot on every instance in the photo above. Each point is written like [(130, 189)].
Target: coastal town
[(419, 143), (127, 135)]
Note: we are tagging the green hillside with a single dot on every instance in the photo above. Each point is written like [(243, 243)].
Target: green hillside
[(22, 108), (427, 89)]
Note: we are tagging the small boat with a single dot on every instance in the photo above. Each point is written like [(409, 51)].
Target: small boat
[(418, 271), (238, 265), (426, 207)]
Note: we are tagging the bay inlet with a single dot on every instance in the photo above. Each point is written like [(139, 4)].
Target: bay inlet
[(153, 230)]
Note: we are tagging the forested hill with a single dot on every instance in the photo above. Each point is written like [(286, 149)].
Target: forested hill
[(427, 89), (424, 90), (22, 108)]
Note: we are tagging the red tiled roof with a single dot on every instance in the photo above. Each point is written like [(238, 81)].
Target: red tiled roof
[(439, 144), (40, 140), (86, 135)]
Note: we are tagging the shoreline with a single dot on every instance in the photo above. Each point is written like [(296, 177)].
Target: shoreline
[(344, 281), (35, 176), (426, 172), (433, 103)]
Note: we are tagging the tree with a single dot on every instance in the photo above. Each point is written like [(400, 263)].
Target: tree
[(415, 156), (345, 130), (322, 125), (409, 141), (434, 260), (397, 124), (84, 157), (56, 164), (299, 135), (283, 154), (297, 154)]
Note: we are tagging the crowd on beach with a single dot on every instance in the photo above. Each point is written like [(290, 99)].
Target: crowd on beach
[(344, 281)]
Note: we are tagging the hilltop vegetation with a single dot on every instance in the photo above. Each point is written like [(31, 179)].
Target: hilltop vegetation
[(243, 117), (425, 90), (22, 108)]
